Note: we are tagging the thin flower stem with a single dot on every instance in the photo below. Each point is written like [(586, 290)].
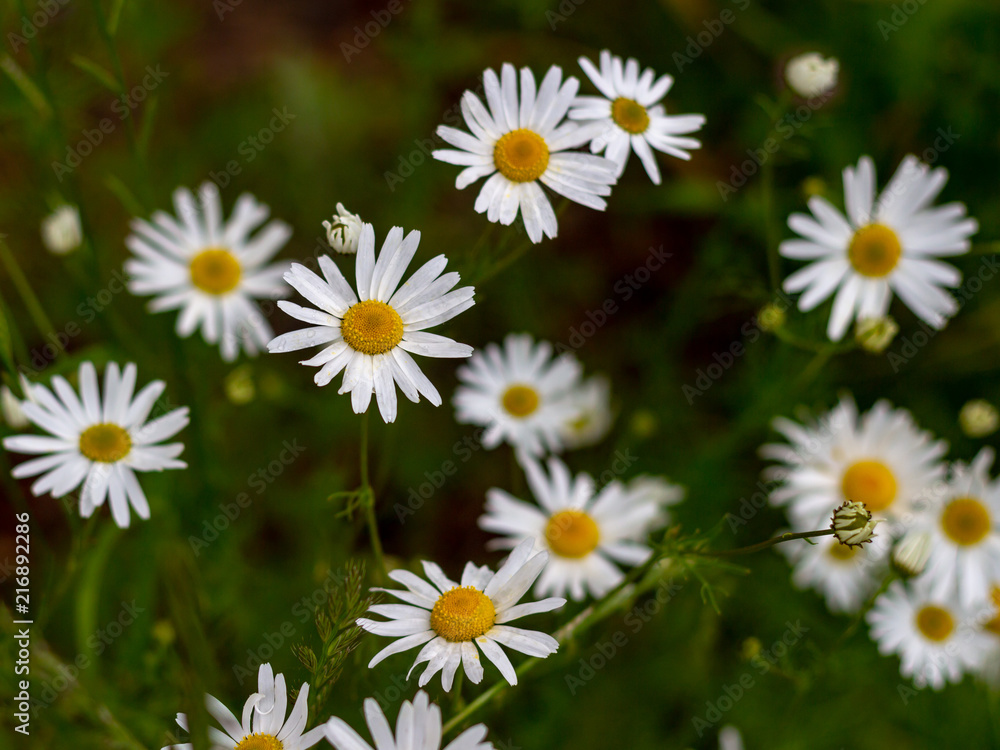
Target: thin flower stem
[(762, 545), (517, 252), (368, 500), (23, 286)]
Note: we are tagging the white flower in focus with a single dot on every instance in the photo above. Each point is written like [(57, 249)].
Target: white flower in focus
[(263, 725), (452, 619), (630, 115), (100, 442), (810, 75), (418, 727), (371, 335), (588, 534), (343, 231), (964, 524), (592, 418), (875, 334), (524, 140), (521, 393), (978, 418), (61, 230), (210, 269), (911, 553), (936, 639), (880, 458), (882, 247)]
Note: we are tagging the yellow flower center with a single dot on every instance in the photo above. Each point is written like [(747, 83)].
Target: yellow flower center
[(935, 623), (106, 443), (874, 250), (572, 533), (966, 521), (993, 625), (842, 552), (371, 327), (871, 483), (629, 115), (520, 401), (215, 271), (521, 155), (462, 614), (259, 742)]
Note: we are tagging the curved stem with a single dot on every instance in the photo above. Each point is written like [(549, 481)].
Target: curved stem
[(762, 545), (368, 500)]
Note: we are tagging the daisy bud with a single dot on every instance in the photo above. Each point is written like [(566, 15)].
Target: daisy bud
[(771, 317), (853, 524), (875, 334), (11, 410), (979, 418), (810, 75), (239, 386), (813, 186), (61, 232), (910, 554), (343, 231)]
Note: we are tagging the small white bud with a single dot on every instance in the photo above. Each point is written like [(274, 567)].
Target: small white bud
[(911, 553), (979, 418), (875, 334), (343, 231), (61, 231), (11, 409), (810, 75), (853, 524)]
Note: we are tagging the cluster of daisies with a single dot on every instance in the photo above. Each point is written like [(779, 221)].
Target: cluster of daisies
[(939, 535), (572, 538)]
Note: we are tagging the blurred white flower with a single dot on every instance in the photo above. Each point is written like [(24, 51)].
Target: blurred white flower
[(730, 738), (10, 408), (61, 231), (882, 247), (979, 418), (809, 74), (343, 231), (592, 418)]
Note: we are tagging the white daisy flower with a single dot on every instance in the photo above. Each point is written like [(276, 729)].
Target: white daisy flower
[(99, 442), (881, 459), (520, 393), (344, 231), (61, 230), (210, 269), (964, 524), (585, 532), (882, 247), (418, 727), (630, 115), (592, 418), (371, 334), (524, 140), (810, 75), (449, 618), (263, 725), (936, 639), (845, 576)]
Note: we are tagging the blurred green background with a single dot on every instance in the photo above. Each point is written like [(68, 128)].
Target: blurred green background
[(362, 118)]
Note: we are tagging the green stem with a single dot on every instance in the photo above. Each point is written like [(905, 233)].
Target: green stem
[(368, 500), (517, 252), (31, 301), (762, 545)]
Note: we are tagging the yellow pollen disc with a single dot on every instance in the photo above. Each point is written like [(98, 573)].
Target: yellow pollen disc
[(874, 250), (462, 614), (871, 483), (215, 271), (520, 401), (572, 533), (993, 625), (935, 623), (106, 443), (629, 115), (841, 552), (259, 742), (521, 155), (371, 327), (966, 521)]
